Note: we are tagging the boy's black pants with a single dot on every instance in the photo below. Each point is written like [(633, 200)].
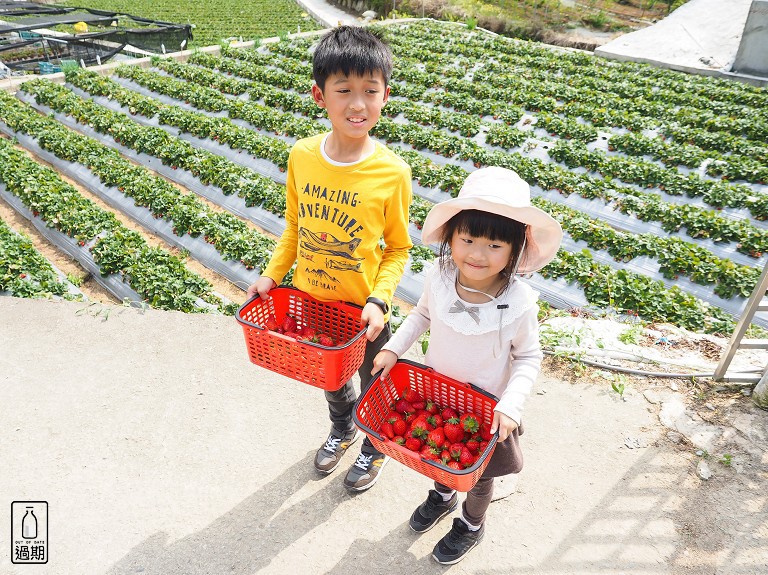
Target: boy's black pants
[(341, 403)]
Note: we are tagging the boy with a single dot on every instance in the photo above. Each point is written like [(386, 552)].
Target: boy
[(344, 193)]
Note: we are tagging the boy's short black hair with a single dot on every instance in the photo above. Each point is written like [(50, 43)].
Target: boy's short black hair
[(351, 50)]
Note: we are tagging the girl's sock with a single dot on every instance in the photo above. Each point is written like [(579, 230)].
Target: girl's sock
[(447, 496), (469, 525)]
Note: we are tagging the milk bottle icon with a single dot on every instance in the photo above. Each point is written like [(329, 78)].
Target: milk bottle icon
[(29, 524)]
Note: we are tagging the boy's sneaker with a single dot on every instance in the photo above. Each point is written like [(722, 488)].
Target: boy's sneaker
[(431, 511), (364, 472), (329, 455), (460, 540)]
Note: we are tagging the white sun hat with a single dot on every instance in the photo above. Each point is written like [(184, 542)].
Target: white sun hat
[(501, 191)]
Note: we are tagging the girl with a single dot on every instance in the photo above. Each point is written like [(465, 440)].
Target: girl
[(483, 326)]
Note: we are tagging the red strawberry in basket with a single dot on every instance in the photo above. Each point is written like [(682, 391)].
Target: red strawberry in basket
[(467, 459), (455, 450), (419, 429), (402, 406), (485, 432), (436, 437), (289, 324), (473, 445), (326, 340), (393, 416), (400, 427), (428, 452), (411, 395), (432, 407), (435, 420), (413, 444), (453, 431), (271, 323), (470, 422), (453, 464), (308, 334), (449, 413), (387, 430)]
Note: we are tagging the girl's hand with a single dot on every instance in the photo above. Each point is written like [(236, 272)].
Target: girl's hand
[(384, 360), (505, 424)]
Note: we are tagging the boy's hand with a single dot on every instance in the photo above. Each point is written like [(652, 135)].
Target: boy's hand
[(384, 360), (373, 317), (260, 287), (505, 424)]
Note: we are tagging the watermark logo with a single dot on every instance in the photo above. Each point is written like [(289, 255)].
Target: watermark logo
[(29, 532)]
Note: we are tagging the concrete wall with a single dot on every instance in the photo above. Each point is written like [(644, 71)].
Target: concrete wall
[(752, 56)]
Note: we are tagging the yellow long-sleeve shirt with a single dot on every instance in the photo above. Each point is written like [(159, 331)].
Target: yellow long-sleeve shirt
[(336, 217)]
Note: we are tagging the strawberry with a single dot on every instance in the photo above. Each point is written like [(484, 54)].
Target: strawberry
[(411, 395), (455, 450), (485, 432), (470, 422), (289, 323), (420, 405), (413, 444), (435, 419), (449, 413), (430, 453), (393, 416), (271, 322), (402, 406), (453, 430), (466, 458), (432, 407), (473, 445), (419, 429), (483, 445), (436, 437), (387, 430), (325, 340), (445, 456), (452, 464), (400, 427), (399, 439), (309, 334)]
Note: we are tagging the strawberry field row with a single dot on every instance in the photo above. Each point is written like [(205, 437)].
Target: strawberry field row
[(644, 174), (699, 222), (25, 272), (676, 257), (158, 277), (91, 113)]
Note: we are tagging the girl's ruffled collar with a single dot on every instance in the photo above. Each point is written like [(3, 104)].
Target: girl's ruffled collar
[(473, 318)]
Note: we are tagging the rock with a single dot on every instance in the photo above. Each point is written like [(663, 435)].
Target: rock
[(703, 470), (675, 437)]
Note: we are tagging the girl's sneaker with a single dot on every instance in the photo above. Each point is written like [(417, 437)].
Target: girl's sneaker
[(431, 511), (457, 543)]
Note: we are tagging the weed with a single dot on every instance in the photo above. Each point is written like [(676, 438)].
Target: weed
[(631, 335)]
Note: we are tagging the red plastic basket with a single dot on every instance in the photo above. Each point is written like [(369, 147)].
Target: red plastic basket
[(373, 406), (311, 363)]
